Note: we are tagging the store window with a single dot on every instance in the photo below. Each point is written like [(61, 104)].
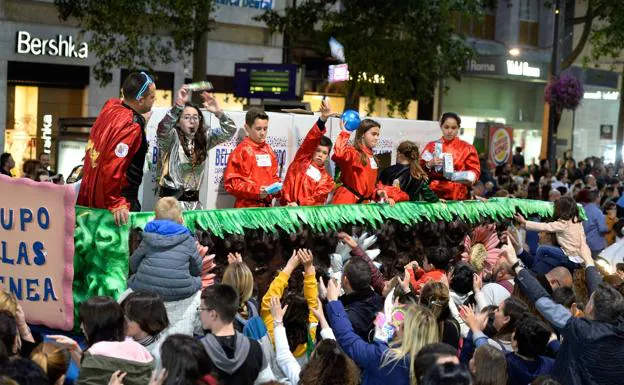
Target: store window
[(37, 96), (529, 22), (381, 109), (337, 103), (595, 124), (477, 27)]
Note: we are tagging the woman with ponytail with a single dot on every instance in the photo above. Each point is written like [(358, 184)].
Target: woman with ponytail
[(435, 296), (359, 169), (53, 359), (408, 174)]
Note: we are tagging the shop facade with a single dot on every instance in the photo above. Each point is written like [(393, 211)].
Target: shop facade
[(510, 91), (502, 90), (46, 75)]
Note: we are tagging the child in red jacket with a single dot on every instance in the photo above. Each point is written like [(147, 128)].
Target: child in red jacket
[(358, 168), (307, 182), (252, 166), (435, 266)]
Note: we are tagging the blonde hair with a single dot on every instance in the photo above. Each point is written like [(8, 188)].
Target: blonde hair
[(8, 302), (435, 296), (239, 276), (168, 208), (419, 330), (53, 359)]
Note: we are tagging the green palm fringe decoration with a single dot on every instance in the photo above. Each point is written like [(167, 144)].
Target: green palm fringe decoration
[(101, 248)]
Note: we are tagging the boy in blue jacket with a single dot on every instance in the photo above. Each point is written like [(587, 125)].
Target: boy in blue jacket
[(167, 262), (529, 342)]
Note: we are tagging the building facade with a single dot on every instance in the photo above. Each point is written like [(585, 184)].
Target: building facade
[(505, 81), (46, 73)]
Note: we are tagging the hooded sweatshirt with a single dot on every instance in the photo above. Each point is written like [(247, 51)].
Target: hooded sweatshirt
[(238, 359), (166, 262)]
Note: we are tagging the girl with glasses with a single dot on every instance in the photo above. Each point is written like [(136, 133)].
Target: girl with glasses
[(184, 140)]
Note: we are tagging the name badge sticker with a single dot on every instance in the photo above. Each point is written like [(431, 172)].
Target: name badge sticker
[(263, 160), (313, 173)]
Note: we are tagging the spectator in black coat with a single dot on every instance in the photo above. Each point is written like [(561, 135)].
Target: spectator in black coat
[(360, 301), (593, 345)]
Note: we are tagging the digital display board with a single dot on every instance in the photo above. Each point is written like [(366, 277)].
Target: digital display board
[(265, 81)]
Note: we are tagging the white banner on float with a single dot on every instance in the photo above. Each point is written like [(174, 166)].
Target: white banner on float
[(286, 132), (395, 131)]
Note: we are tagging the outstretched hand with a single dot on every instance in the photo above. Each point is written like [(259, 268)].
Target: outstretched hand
[(277, 311), (211, 104), (182, 97), (347, 239), (234, 257), (476, 322), (325, 110), (333, 290), (509, 252)]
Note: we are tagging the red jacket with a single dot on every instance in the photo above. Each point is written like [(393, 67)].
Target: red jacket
[(250, 166), (465, 158), (306, 183), (361, 178), (419, 278), (115, 155)]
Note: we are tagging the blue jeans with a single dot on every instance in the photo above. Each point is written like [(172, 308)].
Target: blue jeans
[(549, 257)]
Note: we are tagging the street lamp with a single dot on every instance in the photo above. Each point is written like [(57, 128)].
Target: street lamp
[(554, 72)]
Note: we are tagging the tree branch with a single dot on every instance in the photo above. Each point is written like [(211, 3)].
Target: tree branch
[(580, 45)]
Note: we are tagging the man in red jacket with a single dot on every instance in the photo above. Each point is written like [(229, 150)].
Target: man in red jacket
[(252, 166), (307, 182), (115, 153)]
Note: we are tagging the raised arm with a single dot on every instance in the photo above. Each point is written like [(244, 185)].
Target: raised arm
[(166, 128), (276, 289), (226, 129), (363, 353), (342, 151)]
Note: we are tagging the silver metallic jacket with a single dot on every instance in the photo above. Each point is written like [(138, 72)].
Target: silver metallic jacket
[(175, 169)]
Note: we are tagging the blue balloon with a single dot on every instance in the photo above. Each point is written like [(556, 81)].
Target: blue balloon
[(351, 120)]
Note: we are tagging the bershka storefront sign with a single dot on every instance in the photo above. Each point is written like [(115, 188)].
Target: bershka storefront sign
[(61, 46)]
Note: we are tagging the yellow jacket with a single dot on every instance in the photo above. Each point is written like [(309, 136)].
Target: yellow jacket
[(310, 292)]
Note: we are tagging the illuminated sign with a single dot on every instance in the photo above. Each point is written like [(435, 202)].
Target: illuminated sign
[(522, 68), (338, 73), (602, 95), (61, 46), (46, 133)]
